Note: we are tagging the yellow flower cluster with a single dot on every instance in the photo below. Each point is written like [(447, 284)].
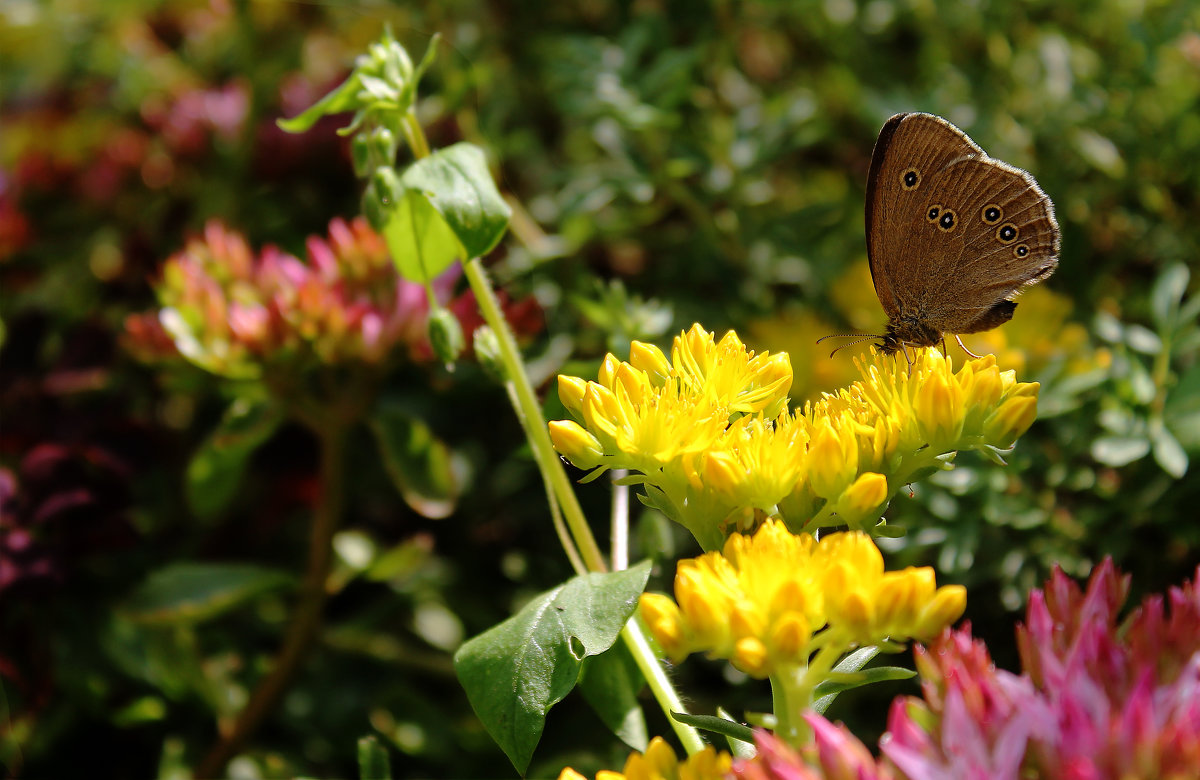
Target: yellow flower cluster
[(711, 439), (660, 763), (769, 601)]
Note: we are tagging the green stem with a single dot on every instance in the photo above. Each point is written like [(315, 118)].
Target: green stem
[(660, 685), (530, 412), (790, 697), (415, 135), (306, 617), (561, 492)]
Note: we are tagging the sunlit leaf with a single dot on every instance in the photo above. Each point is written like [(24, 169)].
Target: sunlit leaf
[(515, 672)]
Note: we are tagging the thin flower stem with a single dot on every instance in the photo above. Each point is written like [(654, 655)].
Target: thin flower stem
[(660, 684), (789, 700), (620, 521), (415, 135), (535, 427), (306, 617), (560, 527), (559, 490)]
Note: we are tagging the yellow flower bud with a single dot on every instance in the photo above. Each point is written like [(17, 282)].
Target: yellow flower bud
[(659, 761), (790, 597), (833, 459), (896, 603), (608, 370), (750, 655), (986, 389), (722, 472), (702, 602), (789, 637), (576, 444), (856, 615), (570, 392), (746, 620), (864, 497), (663, 620), (633, 382), (947, 606), (939, 408), (601, 413), (1005, 425), (650, 359)]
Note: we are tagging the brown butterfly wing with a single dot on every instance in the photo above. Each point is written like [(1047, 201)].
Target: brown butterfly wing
[(925, 144), (1003, 236)]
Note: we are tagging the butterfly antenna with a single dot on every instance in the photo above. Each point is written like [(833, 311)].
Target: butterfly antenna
[(861, 338), (841, 336)]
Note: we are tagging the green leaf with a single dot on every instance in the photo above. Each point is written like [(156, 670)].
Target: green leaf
[(1168, 453), (726, 728), (836, 683), (848, 665), (458, 184), (515, 672), (610, 683), (422, 245), (1168, 291), (193, 592), (1119, 451), (342, 98), (373, 760), (739, 748), (420, 466), (216, 469)]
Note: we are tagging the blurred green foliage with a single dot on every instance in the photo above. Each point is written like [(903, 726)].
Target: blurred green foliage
[(668, 162)]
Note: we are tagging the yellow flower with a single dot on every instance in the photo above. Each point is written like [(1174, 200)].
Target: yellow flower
[(1012, 419), (576, 444), (763, 600), (861, 502), (650, 359), (756, 462), (833, 456), (660, 763), (707, 431), (570, 391), (733, 377)]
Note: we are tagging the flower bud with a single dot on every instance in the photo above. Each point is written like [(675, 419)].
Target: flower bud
[(575, 444), (1005, 425), (570, 391), (487, 352), (445, 335)]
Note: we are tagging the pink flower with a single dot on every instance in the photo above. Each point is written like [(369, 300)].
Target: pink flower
[(238, 313), (1099, 698)]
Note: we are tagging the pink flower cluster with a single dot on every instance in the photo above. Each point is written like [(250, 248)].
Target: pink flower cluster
[(235, 313), (1099, 698)]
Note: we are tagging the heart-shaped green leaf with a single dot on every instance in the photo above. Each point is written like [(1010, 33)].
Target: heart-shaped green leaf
[(515, 672), (422, 245), (459, 185), (610, 682), (448, 209)]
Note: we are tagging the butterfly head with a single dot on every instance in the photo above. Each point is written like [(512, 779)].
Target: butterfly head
[(908, 331)]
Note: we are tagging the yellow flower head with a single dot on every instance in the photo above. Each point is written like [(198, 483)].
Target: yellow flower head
[(660, 763), (707, 431), (763, 600)]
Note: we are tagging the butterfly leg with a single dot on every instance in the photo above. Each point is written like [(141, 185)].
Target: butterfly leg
[(964, 347)]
